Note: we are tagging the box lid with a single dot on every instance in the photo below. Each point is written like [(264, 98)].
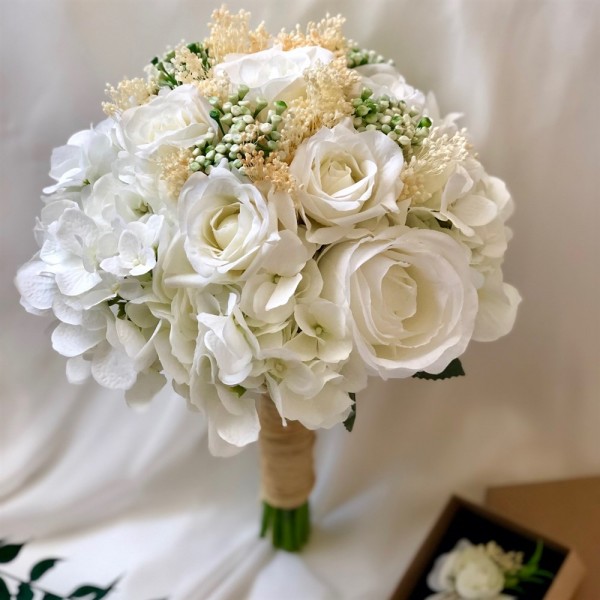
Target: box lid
[(567, 511)]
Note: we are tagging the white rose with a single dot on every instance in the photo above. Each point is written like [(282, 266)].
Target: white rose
[(273, 74), (468, 573), (179, 118), (477, 205), (477, 576), (346, 178), (479, 579), (383, 79), (226, 226), (441, 577), (411, 297)]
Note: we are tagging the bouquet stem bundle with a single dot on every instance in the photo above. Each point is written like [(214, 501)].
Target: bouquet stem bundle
[(287, 477)]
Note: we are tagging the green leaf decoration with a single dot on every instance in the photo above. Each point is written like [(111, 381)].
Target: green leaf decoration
[(38, 570), (4, 593), (454, 369), (349, 422), (9, 552), (49, 596), (87, 590), (25, 592)]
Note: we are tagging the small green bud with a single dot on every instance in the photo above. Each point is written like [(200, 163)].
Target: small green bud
[(280, 106), (242, 91), (275, 120)]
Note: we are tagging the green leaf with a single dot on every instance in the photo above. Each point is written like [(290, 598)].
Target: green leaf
[(544, 573), (4, 593), (44, 565), (454, 369), (537, 555), (49, 596), (87, 590), (25, 592), (10, 552), (349, 422)]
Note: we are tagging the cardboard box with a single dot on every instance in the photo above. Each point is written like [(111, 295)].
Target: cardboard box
[(463, 519), (566, 510)]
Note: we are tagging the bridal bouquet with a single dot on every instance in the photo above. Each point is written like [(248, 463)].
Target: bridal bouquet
[(262, 222)]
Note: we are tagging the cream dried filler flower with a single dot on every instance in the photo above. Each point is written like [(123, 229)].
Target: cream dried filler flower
[(262, 223)]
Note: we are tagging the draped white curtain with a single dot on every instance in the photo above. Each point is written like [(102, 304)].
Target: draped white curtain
[(117, 493)]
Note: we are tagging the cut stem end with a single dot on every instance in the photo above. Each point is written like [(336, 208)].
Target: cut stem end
[(289, 527)]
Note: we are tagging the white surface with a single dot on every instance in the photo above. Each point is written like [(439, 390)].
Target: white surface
[(117, 493)]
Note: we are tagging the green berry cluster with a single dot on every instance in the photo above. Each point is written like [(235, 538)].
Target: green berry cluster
[(357, 57), (242, 131), (407, 126), (164, 66)]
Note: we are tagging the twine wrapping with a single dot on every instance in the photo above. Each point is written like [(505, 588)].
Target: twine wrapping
[(286, 456)]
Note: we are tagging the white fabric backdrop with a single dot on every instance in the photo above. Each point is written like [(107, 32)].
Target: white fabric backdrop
[(137, 496)]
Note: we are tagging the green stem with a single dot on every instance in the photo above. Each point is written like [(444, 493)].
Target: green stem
[(289, 527), (30, 585)]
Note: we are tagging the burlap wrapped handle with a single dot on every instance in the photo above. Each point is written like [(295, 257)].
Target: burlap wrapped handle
[(286, 454)]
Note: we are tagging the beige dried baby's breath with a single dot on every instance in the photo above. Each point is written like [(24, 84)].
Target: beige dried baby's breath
[(231, 33), (325, 104), (431, 160), (272, 169), (509, 562), (188, 66), (127, 94), (217, 87), (327, 33), (174, 168)]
